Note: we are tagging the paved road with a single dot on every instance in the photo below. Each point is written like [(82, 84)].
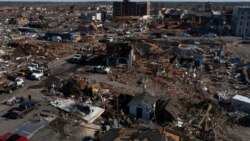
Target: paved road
[(60, 66), (145, 36)]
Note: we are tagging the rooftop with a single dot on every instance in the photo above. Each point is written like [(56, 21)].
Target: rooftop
[(241, 98), (118, 49), (144, 100)]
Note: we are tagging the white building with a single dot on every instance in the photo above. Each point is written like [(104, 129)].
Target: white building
[(241, 21)]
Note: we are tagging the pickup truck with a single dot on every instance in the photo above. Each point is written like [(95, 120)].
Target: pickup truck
[(19, 82), (32, 66), (7, 86), (37, 74)]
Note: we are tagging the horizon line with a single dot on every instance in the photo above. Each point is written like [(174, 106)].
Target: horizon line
[(92, 1)]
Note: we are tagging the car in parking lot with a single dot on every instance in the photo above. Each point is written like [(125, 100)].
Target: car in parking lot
[(110, 39), (37, 74), (77, 58), (101, 69), (12, 137), (7, 86), (19, 82), (184, 34), (164, 35)]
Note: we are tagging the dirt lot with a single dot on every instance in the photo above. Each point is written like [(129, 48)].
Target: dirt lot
[(242, 51)]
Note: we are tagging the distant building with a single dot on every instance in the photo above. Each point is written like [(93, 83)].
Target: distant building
[(241, 21), (127, 8), (89, 17), (208, 7)]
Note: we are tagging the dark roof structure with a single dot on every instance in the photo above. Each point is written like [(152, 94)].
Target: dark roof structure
[(144, 100), (121, 50), (132, 135), (185, 52)]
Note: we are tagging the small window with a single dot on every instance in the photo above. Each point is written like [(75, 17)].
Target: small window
[(239, 30), (247, 23), (240, 23), (242, 17), (246, 30), (242, 12), (248, 17)]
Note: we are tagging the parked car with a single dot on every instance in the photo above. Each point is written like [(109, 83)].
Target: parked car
[(183, 34), (77, 58), (12, 137), (127, 32), (110, 39), (19, 82), (164, 35), (7, 86), (101, 69), (210, 35), (37, 74), (32, 66)]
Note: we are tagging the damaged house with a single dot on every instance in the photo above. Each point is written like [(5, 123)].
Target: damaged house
[(79, 86), (119, 53), (132, 134), (142, 106), (188, 55), (166, 111)]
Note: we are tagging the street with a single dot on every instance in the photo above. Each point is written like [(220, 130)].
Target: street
[(60, 67)]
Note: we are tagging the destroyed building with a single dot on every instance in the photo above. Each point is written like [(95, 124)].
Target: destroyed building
[(142, 106), (197, 84), (166, 111), (133, 135), (187, 55), (120, 53)]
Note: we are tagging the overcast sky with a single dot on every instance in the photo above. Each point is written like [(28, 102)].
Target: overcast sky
[(131, 0)]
